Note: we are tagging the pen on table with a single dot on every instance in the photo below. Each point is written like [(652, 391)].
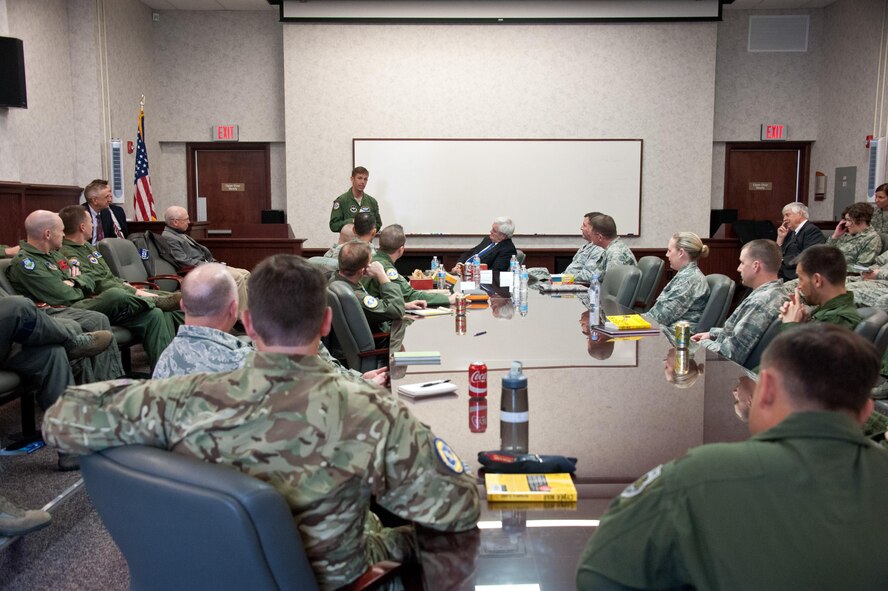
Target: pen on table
[(427, 384), (478, 334)]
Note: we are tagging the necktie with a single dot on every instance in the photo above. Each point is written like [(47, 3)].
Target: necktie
[(486, 248), (100, 232)]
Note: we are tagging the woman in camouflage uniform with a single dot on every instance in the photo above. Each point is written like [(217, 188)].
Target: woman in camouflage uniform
[(854, 236), (686, 295)]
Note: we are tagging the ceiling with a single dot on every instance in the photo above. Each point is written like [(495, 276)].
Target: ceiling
[(265, 5)]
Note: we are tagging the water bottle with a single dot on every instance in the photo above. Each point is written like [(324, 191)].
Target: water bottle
[(594, 301), (441, 277), (434, 266), (476, 271), (514, 411), (523, 279)]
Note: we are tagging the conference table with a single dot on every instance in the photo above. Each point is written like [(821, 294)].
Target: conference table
[(615, 405)]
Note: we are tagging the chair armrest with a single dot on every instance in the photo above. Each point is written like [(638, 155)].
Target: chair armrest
[(176, 278), (185, 269), (381, 335), (373, 353), (144, 284), (374, 576)]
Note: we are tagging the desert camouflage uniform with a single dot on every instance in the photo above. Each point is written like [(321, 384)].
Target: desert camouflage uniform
[(326, 443), (879, 223), (859, 249), (683, 298), (616, 253), (410, 294), (744, 328)]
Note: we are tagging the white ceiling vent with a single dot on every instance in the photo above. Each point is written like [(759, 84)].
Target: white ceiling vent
[(778, 33)]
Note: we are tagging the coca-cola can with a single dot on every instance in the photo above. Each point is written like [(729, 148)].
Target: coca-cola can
[(460, 325), (477, 379), (461, 304), (477, 415)]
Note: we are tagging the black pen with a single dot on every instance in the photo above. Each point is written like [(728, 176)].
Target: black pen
[(478, 334), (426, 385)]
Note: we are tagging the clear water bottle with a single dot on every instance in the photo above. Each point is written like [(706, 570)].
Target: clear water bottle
[(434, 266), (524, 278), (476, 270), (594, 301), (516, 283), (440, 277), (514, 417)]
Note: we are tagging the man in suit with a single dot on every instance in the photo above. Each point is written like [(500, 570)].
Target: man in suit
[(108, 220), (495, 250), (794, 236)]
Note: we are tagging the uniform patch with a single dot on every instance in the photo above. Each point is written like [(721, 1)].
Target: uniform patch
[(370, 301), (353, 209), (637, 487), (365, 210), (93, 259), (335, 205), (392, 273), (143, 254), (74, 262), (97, 254), (28, 264), (448, 457), (51, 266)]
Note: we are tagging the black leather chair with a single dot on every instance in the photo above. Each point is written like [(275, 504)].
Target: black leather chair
[(182, 523), (755, 356), (621, 284), (873, 327), (353, 338), (721, 293)]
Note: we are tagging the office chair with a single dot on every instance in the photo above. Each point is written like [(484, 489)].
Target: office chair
[(11, 388), (721, 293), (352, 333), (652, 270), (620, 284), (326, 265), (873, 327), (157, 260), (182, 523), (884, 237), (125, 262), (520, 256), (755, 356)]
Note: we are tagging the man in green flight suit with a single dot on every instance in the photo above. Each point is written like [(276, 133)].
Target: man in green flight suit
[(797, 506), (821, 270), (391, 248), (42, 273), (354, 201)]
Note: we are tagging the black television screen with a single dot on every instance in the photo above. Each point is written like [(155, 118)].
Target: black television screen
[(12, 73)]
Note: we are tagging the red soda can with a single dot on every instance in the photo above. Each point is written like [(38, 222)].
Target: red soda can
[(477, 415), (477, 379)]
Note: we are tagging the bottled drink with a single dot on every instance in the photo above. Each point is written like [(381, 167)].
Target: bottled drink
[(477, 379), (594, 301), (524, 279), (476, 270), (441, 281), (514, 419), (434, 266)]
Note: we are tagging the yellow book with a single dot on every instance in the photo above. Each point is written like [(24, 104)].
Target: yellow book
[(629, 322), (530, 488)]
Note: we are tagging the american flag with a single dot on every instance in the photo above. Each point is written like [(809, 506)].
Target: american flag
[(143, 200)]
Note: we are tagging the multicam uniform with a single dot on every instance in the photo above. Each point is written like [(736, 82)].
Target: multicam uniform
[(683, 298), (859, 249), (346, 207), (326, 443), (744, 328), (410, 294)]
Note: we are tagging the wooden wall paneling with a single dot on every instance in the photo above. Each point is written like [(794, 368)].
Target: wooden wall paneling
[(246, 253), (17, 200)]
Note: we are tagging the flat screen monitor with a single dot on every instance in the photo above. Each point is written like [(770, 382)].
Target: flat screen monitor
[(12, 73)]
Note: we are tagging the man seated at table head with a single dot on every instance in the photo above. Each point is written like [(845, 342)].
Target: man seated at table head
[(328, 443), (797, 506), (495, 251), (821, 270), (759, 264), (794, 236), (604, 234), (363, 228), (108, 219), (392, 243)]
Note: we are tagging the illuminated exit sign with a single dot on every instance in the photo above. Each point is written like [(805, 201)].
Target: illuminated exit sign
[(772, 132), (225, 133)]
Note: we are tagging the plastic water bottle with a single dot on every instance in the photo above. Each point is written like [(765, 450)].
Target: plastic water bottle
[(514, 417), (440, 276), (435, 266), (523, 279), (476, 271), (594, 301)]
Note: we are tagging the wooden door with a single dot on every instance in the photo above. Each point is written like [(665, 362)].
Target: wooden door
[(760, 178), (234, 179)]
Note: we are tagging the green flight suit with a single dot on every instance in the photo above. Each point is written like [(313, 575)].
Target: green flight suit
[(799, 506), (840, 311), (383, 311), (410, 294), (346, 207), (41, 276)]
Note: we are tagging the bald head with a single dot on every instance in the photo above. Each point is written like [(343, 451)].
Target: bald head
[(44, 230), (209, 297), (174, 213)]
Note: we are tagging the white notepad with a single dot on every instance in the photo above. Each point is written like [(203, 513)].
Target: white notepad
[(419, 391)]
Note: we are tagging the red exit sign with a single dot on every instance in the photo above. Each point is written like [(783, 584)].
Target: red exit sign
[(225, 133), (773, 132)]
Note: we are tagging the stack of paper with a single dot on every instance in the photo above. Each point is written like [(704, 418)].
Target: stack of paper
[(439, 311), (417, 358), (427, 389)]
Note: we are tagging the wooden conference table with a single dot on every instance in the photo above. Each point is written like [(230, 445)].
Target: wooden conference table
[(609, 405)]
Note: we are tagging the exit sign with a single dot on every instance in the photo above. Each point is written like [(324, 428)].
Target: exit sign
[(225, 133), (773, 132)]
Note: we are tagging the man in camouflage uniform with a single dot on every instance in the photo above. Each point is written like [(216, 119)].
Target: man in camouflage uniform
[(42, 273), (364, 229), (354, 201), (880, 205), (728, 515), (759, 265), (856, 238), (585, 262), (326, 442), (604, 234), (391, 248)]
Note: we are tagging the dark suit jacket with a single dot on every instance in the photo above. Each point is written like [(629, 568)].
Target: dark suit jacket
[(107, 224), (793, 246), (497, 258)]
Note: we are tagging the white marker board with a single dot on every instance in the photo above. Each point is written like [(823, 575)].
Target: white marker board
[(457, 187)]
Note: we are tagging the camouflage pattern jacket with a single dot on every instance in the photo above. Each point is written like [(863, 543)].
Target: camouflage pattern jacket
[(879, 223), (682, 299), (616, 253), (326, 443), (585, 262), (859, 249), (744, 328)]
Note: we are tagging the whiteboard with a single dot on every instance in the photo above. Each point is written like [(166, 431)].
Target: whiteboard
[(457, 187)]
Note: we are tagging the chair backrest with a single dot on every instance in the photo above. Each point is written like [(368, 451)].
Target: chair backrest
[(159, 261), (621, 283), (884, 237), (350, 326), (186, 524), (755, 356), (4, 280), (652, 270), (873, 327), (520, 256), (123, 258), (721, 293), (326, 265)]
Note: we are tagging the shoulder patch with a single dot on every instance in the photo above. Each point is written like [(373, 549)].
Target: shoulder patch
[(97, 254), (335, 205), (51, 265), (365, 210), (28, 264), (637, 487), (353, 209), (74, 261), (143, 254), (392, 273), (448, 457), (92, 258), (370, 301)]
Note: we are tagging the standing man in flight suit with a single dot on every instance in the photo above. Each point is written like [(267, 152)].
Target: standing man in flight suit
[(353, 202)]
